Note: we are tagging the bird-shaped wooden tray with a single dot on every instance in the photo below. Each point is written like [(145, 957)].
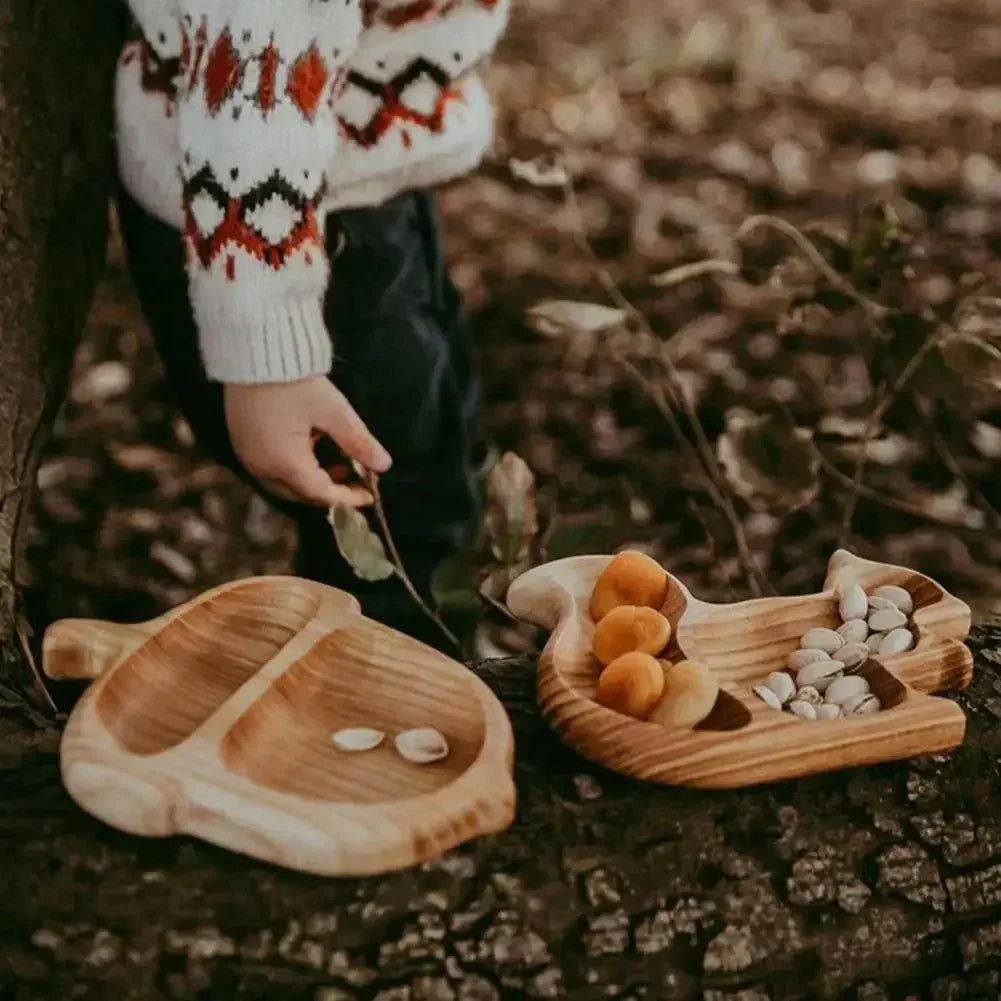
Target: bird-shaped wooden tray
[(744, 742), (216, 719)]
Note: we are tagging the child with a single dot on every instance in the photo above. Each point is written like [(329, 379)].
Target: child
[(274, 159)]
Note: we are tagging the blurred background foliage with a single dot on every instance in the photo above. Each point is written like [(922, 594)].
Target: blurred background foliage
[(734, 270)]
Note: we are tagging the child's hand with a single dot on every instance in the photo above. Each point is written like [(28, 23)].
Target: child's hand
[(273, 426)]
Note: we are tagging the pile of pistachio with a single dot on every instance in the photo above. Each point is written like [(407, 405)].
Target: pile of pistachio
[(819, 682)]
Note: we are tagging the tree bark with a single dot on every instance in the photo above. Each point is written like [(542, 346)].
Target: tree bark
[(56, 60), (874, 884)]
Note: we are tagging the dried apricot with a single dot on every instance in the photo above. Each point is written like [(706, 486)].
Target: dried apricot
[(690, 692), (630, 579), (631, 684), (628, 628)]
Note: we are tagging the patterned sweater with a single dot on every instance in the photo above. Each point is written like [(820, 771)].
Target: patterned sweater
[(243, 122)]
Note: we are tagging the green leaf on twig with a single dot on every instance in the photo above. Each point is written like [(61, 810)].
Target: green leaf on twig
[(511, 521), (359, 545)]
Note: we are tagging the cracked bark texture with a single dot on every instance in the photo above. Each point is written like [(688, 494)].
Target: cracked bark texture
[(55, 86), (882, 883)]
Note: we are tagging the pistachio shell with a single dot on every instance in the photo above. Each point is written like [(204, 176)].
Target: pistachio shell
[(876, 603), (422, 746), (828, 711), (862, 705), (885, 619), (798, 659), (873, 641), (853, 654), (842, 689), (767, 696), (821, 639), (900, 597), (782, 685), (358, 738), (854, 631), (897, 641), (810, 695), (819, 674), (853, 603), (802, 709)]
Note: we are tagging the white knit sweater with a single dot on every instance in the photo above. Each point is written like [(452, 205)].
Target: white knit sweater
[(243, 122)]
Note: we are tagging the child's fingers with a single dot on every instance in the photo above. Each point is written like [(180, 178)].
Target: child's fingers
[(311, 483), (343, 424)]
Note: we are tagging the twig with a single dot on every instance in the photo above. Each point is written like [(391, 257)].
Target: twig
[(713, 551), (874, 310), (887, 397), (755, 579), (499, 606), (30, 658), (685, 272), (372, 483), (880, 497), (989, 511)]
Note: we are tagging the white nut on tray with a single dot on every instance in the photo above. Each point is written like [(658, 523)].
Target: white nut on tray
[(782, 685), (885, 619), (853, 604), (897, 641), (821, 639), (876, 604), (852, 655), (854, 631), (842, 689), (802, 709), (422, 746), (819, 674), (357, 738), (798, 659), (898, 595), (810, 695), (765, 693)]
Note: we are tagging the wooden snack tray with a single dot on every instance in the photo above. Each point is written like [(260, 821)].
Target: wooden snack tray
[(215, 720), (744, 742)]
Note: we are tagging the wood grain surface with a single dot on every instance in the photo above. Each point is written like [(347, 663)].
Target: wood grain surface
[(744, 742), (215, 720)]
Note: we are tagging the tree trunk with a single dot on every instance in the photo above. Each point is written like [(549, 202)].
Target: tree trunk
[(56, 60)]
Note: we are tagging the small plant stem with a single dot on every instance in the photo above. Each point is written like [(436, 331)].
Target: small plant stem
[(880, 496), (873, 310), (887, 397), (372, 483), (717, 492), (22, 636)]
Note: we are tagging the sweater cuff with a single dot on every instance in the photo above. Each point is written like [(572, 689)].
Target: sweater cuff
[(281, 343)]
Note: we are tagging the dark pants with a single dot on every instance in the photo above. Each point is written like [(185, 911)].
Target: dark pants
[(402, 357)]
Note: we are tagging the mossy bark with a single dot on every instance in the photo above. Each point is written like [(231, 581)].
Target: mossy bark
[(56, 60)]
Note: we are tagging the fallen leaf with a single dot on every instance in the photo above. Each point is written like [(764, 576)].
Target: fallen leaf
[(561, 317), (971, 346), (769, 463), (540, 172), (511, 519), (359, 545)]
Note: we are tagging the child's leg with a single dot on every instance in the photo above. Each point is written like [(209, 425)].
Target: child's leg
[(403, 360)]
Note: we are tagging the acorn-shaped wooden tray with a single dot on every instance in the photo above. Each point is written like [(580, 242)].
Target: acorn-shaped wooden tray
[(743, 741), (216, 719)]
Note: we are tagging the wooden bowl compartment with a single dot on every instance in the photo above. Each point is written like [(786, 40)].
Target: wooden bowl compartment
[(743, 741), (215, 720), (174, 681), (336, 685)]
